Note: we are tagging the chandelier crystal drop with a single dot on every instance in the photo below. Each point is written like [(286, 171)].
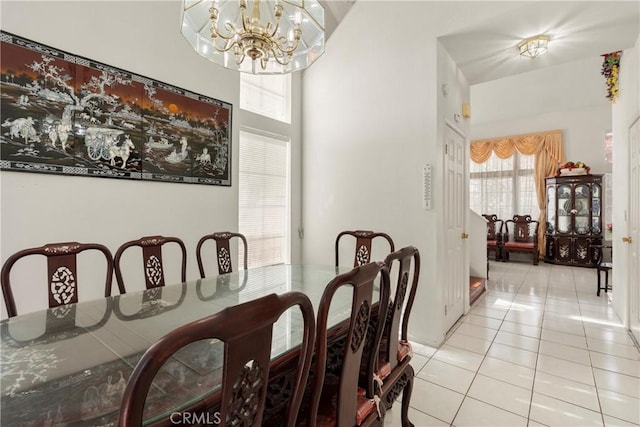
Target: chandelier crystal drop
[(257, 36), (534, 46)]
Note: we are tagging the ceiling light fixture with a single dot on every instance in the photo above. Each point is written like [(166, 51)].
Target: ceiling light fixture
[(267, 37), (534, 46)]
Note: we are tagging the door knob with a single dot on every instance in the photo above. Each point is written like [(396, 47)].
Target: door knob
[(465, 236), (627, 239)]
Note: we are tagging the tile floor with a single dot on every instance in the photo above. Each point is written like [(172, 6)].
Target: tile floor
[(538, 349)]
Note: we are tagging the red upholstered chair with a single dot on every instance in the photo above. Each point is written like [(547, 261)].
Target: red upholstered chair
[(245, 330), (395, 350), (338, 400), (62, 274), (520, 235), (223, 253), (494, 235), (364, 239), (152, 262)]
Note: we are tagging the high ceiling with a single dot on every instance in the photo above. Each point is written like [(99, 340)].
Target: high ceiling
[(482, 37)]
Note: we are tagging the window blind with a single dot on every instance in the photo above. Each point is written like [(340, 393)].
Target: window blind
[(264, 198)]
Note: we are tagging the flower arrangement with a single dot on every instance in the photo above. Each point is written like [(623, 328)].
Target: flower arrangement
[(610, 228), (610, 70)]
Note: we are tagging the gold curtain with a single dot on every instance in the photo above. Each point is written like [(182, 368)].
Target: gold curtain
[(549, 154)]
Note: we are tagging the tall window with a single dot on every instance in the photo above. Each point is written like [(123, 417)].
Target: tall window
[(504, 187), (264, 198), (267, 95)]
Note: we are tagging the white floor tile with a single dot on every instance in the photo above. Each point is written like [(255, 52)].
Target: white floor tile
[(467, 342), (507, 372), (569, 391), (565, 369), (617, 335), (520, 329), (519, 341), (434, 400), (445, 375), (616, 364), (563, 338), (616, 422), (459, 357), (476, 331), (514, 355), (565, 352), (500, 394), (620, 383), (620, 406), (554, 412), (486, 322), (474, 413), (613, 348)]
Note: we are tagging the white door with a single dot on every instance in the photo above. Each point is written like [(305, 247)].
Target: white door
[(634, 229), (456, 277)]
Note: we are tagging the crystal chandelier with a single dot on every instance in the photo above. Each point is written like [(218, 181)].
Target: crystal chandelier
[(257, 36), (534, 46)]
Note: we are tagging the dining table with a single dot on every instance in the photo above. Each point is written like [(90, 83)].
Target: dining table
[(69, 365)]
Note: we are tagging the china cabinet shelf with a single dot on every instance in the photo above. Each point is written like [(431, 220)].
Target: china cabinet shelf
[(574, 220)]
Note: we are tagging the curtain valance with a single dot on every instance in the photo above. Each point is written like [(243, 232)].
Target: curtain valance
[(550, 142)]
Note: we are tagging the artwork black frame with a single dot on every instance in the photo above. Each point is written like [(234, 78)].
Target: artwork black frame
[(65, 114)]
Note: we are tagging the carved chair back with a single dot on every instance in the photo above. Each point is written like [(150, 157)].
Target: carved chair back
[(245, 331), (343, 403), (521, 229), (364, 240), (223, 253), (395, 337), (494, 226), (62, 273), (152, 262)]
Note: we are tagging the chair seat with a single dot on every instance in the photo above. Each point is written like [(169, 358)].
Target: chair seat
[(492, 243), (518, 245), (605, 266)]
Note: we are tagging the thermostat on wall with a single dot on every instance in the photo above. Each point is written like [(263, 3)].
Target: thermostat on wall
[(426, 187)]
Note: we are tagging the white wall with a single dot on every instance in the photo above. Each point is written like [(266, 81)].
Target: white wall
[(370, 124), (142, 37), (626, 111), (570, 97)]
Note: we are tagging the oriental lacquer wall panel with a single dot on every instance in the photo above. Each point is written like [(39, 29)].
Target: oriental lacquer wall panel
[(65, 114)]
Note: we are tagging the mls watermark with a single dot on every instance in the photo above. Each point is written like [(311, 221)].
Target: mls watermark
[(196, 418)]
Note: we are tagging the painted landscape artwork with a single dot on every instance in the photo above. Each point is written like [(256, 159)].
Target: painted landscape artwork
[(65, 114)]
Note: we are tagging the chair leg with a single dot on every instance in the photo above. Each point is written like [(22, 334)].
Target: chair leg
[(606, 281), (599, 287), (406, 398)]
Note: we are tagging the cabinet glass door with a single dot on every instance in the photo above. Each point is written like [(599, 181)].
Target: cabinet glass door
[(551, 209), (564, 208), (581, 207), (595, 209)]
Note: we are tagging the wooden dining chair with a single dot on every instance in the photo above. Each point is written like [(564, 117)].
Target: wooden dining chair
[(520, 235), (152, 262), (246, 333), (364, 240), (337, 399), (223, 253), (62, 273), (395, 350), (494, 235)]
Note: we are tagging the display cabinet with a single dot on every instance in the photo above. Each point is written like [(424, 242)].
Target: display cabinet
[(574, 220)]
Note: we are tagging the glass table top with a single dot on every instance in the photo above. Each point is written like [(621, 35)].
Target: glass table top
[(70, 364)]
